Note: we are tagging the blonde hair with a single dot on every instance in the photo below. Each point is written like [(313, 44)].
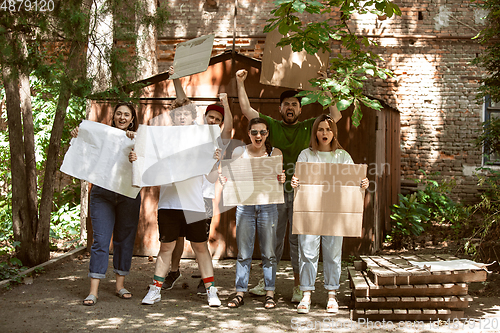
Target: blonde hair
[(334, 144), (187, 106)]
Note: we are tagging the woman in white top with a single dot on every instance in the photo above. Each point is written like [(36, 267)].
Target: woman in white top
[(264, 218), (325, 148)]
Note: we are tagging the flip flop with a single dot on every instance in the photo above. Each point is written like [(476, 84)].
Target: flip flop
[(124, 292), (237, 301), (90, 298)]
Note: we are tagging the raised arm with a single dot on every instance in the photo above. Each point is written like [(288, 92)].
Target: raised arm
[(246, 109), (334, 112), (179, 91), (228, 119)]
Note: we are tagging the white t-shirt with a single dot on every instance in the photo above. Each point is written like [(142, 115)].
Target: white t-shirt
[(185, 195), (337, 156)]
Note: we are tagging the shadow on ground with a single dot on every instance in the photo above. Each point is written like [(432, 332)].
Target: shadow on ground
[(53, 303)]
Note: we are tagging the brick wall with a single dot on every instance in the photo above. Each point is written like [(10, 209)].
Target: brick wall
[(429, 49)]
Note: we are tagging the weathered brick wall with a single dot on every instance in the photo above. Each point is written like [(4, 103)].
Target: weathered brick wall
[(429, 49)]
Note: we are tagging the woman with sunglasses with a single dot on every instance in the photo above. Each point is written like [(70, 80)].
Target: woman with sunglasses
[(325, 148), (264, 218)]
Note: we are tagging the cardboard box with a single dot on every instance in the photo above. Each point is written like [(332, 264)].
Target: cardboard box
[(284, 68), (329, 200), (252, 181)]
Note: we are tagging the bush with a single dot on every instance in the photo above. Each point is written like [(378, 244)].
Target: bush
[(66, 209), (416, 212), (488, 212)]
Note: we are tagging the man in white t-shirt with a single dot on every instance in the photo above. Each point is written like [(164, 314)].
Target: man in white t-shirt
[(181, 213), (215, 114)]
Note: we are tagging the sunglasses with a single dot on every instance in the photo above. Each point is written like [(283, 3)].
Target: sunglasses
[(255, 132)]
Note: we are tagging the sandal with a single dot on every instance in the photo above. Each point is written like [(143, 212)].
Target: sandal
[(304, 306), (332, 306), (269, 303), (91, 300), (237, 301), (124, 292)]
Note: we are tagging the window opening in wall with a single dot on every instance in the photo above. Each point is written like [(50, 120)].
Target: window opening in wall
[(420, 16), (492, 111)]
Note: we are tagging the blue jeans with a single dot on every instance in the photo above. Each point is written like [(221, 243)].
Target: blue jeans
[(264, 219), (285, 214), (309, 256), (112, 215)]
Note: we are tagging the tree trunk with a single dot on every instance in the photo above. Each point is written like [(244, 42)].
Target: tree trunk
[(36, 251), (23, 164), (74, 69), (101, 35), (21, 221)]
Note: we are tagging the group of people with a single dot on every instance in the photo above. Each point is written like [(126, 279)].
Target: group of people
[(312, 140)]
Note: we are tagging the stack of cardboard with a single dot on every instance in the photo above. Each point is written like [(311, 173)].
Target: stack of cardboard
[(397, 288)]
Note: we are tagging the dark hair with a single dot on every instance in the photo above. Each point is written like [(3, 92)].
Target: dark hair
[(134, 124), (334, 144), (290, 93), (259, 120)]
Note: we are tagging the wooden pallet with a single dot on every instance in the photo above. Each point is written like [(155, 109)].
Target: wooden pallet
[(419, 302), (397, 315), (363, 286), (391, 270)]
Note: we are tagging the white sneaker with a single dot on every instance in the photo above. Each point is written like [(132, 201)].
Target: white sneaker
[(259, 289), (153, 295), (297, 295), (213, 299)]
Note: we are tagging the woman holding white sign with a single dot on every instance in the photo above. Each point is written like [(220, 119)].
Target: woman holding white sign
[(264, 218), (325, 148), (113, 215)]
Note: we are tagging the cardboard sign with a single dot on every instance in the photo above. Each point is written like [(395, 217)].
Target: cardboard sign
[(193, 56), (282, 67), (329, 200), (252, 181)]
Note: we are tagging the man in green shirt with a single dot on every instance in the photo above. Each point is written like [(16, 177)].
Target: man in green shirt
[(291, 137)]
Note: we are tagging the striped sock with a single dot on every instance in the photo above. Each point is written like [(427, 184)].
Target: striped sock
[(158, 281), (210, 280)]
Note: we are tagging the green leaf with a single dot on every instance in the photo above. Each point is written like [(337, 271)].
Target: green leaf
[(283, 28), (16, 262), (382, 75), (324, 100), (344, 104), (345, 90), (356, 83), (356, 114), (281, 2), (310, 49), (396, 9), (299, 6)]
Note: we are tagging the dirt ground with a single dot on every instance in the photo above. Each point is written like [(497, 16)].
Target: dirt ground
[(52, 302)]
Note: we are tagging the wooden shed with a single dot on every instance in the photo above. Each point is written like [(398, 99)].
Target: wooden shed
[(375, 142)]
